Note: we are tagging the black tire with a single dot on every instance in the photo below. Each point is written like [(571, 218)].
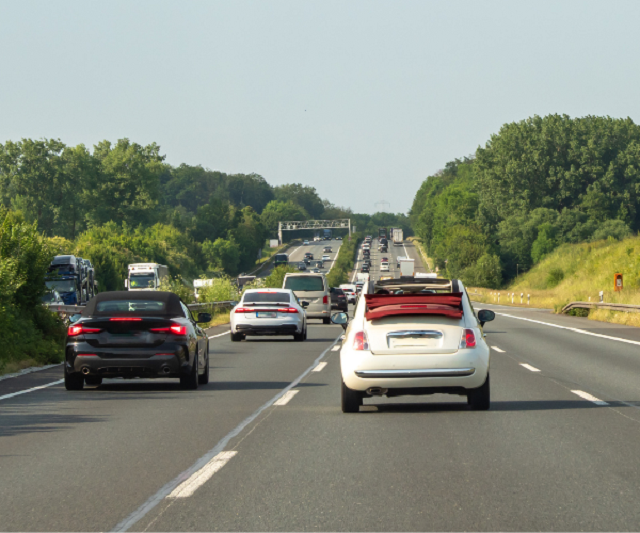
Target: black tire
[(305, 331), (190, 381), (93, 381), (351, 400), (204, 378), (73, 381), (326, 320), (480, 399), (236, 337)]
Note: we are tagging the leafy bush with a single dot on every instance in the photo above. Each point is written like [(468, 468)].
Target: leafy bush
[(343, 265), (221, 290), (554, 278), (275, 280), (611, 228)]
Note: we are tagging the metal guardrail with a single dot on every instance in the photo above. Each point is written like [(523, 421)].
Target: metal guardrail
[(202, 307), (627, 308), (68, 310)]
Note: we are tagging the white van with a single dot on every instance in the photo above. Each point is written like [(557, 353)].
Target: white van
[(312, 288)]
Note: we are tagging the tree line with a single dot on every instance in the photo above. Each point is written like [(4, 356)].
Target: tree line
[(535, 185)]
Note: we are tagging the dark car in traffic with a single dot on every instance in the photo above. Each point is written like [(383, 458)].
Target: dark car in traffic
[(130, 334), (339, 300)]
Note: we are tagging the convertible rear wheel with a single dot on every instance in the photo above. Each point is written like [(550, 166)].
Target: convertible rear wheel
[(73, 381), (93, 380), (480, 399), (204, 378), (351, 400), (190, 381)]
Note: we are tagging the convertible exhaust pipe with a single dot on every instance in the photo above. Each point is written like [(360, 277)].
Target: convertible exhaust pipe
[(166, 370), (85, 370), (377, 391)]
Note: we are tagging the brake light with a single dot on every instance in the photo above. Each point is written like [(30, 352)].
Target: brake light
[(325, 299), (125, 319), (468, 339), (288, 310), (244, 310), (360, 341), (176, 329), (74, 331)]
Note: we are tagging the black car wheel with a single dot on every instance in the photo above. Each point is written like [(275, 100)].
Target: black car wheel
[(480, 399), (190, 381), (204, 378), (93, 381), (73, 381), (351, 400), (326, 320)]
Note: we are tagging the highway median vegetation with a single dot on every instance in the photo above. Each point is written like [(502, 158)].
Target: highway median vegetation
[(344, 263)]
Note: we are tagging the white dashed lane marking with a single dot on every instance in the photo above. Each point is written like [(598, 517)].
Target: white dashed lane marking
[(220, 334), (336, 348), (199, 478), (320, 367), (587, 396), (286, 397), (497, 349), (529, 367)]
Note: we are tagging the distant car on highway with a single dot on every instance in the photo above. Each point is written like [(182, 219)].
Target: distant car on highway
[(326, 258), (350, 292), (384, 267), (268, 312), (302, 266), (305, 243), (327, 250), (312, 288), (339, 300), (145, 334), (414, 337), (338, 238), (319, 264), (365, 268), (315, 270)]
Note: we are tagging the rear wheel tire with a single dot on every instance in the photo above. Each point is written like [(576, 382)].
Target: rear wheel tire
[(93, 381), (351, 400), (73, 381), (305, 332), (236, 337), (326, 321), (204, 378), (190, 381), (480, 399)]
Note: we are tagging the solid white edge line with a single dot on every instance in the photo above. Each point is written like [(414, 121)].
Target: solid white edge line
[(164, 491), (284, 400), (529, 367), (497, 349), (199, 478), (589, 397), (28, 371), (576, 330), (14, 394), (220, 334), (320, 366)]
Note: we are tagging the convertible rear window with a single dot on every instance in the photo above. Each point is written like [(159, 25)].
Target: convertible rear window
[(304, 283), (133, 305), (266, 297), (382, 305)]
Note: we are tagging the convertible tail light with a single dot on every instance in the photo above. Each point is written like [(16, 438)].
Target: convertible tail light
[(360, 341), (468, 339), (125, 319), (245, 310), (176, 329), (287, 310), (74, 331), (325, 299)]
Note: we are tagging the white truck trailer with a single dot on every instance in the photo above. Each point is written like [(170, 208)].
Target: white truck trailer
[(407, 267), (397, 236), (145, 276)]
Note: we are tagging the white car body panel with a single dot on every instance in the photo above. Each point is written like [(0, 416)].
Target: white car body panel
[(239, 322)]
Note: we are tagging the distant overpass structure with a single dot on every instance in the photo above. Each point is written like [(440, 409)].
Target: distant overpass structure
[(289, 225)]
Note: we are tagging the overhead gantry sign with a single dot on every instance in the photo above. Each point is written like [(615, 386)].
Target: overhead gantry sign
[(312, 225)]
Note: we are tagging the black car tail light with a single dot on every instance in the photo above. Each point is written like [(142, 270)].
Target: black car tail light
[(74, 331), (176, 329)]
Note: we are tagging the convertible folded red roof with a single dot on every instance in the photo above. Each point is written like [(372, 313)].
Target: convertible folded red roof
[(383, 305)]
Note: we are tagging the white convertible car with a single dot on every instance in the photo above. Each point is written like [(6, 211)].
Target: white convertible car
[(414, 336)]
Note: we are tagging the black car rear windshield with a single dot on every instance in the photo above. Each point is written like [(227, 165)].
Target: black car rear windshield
[(266, 297), (304, 283), (133, 306)]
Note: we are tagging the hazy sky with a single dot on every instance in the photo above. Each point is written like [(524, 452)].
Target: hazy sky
[(360, 99)]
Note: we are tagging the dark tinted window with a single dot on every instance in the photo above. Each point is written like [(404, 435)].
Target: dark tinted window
[(266, 297), (304, 283), (132, 306)]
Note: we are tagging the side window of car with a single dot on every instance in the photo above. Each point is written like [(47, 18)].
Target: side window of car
[(186, 311)]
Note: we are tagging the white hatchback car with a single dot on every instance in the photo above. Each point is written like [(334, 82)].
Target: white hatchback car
[(414, 337), (326, 258), (268, 312), (384, 267)]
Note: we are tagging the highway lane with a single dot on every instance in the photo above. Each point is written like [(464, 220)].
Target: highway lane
[(297, 250), (543, 458), (86, 460)]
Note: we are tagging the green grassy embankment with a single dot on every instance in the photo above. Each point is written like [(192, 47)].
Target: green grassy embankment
[(578, 272), (343, 266)]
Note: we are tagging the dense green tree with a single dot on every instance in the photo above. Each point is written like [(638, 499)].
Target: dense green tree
[(277, 211), (305, 196), (223, 255)]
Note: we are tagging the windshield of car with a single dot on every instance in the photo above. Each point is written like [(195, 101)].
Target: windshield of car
[(266, 298), (61, 285), (124, 306), (304, 283), (48, 297), (142, 281)]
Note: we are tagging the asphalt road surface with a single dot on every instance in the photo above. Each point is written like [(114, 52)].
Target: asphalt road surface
[(265, 445), (296, 255)]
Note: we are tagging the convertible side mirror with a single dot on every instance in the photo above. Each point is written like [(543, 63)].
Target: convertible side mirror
[(485, 315), (340, 318), (203, 318), (304, 304)]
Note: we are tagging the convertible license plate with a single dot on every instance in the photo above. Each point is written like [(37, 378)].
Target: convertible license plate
[(266, 314)]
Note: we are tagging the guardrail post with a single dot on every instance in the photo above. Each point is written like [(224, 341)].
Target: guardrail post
[(601, 294), (511, 298), (521, 295), (528, 299), (498, 297)]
